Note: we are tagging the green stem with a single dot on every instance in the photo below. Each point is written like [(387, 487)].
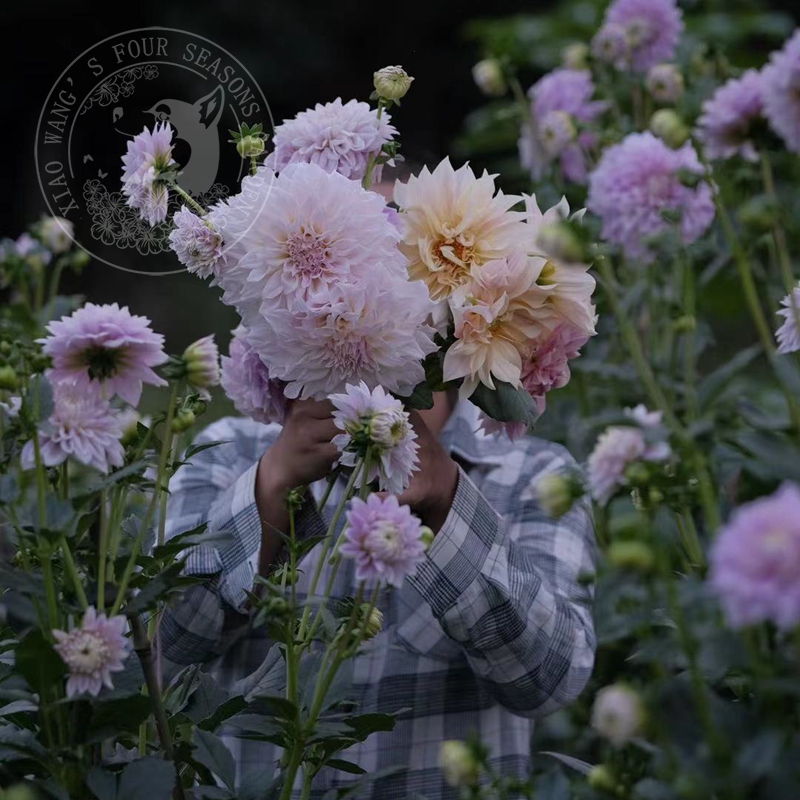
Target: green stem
[(72, 570), (55, 279), (189, 200), (253, 165), (102, 552), (689, 357), (690, 539)]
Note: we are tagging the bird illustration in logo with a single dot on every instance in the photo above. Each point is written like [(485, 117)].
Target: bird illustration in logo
[(196, 124)]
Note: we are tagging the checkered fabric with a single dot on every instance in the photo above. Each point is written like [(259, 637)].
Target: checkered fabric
[(493, 630)]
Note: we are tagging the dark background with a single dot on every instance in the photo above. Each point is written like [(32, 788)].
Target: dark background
[(299, 53)]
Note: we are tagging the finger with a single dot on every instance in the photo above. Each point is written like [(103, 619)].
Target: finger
[(321, 430), (314, 409)]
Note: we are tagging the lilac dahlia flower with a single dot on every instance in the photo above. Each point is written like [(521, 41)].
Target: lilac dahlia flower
[(384, 538), (149, 155), (202, 363), (788, 334), (93, 652), (755, 561), (247, 382), (610, 45), (665, 83), (82, 426), (376, 426), (652, 27), (639, 179), (782, 92), (726, 122), (105, 346), (339, 137), (196, 243)]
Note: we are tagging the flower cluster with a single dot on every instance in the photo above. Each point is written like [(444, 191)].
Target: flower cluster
[(148, 158)]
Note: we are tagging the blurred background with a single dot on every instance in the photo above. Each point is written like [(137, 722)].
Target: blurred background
[(312, 51)]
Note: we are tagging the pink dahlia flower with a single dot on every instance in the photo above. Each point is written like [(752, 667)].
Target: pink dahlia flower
[(148, 156), (202, 363), (384, 538), (196, 243), (610, 45), (82, 426), (788, 334), (246, 380), (726, 124), (339, 137), (92, 652), (638, 180), (105, 347), (782, 92), (375, 426), (755, 561), (653, 29)]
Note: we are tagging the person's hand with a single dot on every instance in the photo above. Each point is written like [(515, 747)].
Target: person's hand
[(303, 453), (433, 487)]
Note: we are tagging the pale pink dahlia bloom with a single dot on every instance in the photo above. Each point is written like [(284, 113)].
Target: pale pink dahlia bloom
[(196, 243), (202, 363), (788, 334), (149, 155), (314, 231), (384, 538), (339, 137), (247, 382), (781, 83), (638, 180), (618, 447), (376, 427), (82, 426), (105, 346), (755, 561), (370, 331), (665, 83), (93, 652), (653, 29), (57, 233), (610, 45), (725, 126)]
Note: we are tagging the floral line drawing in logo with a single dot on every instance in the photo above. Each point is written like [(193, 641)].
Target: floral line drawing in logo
[(119, 85), (116, 223)]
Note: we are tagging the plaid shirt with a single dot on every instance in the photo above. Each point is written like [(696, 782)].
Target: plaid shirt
[(493, 630)]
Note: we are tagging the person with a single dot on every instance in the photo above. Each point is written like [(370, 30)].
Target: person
[(493, 631)]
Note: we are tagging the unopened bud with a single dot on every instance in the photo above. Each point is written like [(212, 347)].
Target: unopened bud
[(182, 421), (665, 83), (560, 240), (8, 378), (554, 493), (372, 622), (760, 213), (632, 555), (601, 779), (426, 536), (618, 714), (250, 146), (392, 83), (637, 474), (655, 496), (575, 56), (685, 324), (458, 763), (669, 127), (202, 363), (80, 258), (489, 78)]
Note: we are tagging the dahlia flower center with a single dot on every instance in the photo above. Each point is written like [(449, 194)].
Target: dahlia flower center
[(454, 257), (386, 539), (87, 652), (309, 253), (102, 362), (639, 32), (547, 275), (348, 355)]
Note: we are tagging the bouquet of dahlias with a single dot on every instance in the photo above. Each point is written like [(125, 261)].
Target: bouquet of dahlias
[(453, 289)]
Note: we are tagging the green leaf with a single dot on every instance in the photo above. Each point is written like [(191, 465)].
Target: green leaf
[(9, 488), (149, 778), (365, 724), (18, 707), (38, 663), (227, 709), (19, 744), (260, 784), (420, 398), (356, 788), (714, 384), (570, 761), (205, 699), (211, 752), (116, 716), (194, 449), (505, 403), (102, 783), (346, 766), (774, 454)]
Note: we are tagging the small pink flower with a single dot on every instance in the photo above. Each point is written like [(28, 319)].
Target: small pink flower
[(92, 652), (384, 538), (105, 346)]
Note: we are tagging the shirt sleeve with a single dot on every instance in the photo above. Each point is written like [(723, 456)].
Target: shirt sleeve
[(217, 487), (508, 590)]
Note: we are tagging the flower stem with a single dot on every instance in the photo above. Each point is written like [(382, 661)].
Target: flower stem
[(102, 552), (189, 200), (69, 562)]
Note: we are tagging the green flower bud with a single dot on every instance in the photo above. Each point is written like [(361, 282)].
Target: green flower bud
[(489, 78), (202, 363), (684, 324), (560, 240), (80, 258), (760, 213), (182, 421), (601, 779), (392, 83), (637, 474), (655, 496), (427, 536), (250, 146), (669, 127), (575, 56), (554, 493), (8, 378), (632, 555), (458, 763), (371, 622)]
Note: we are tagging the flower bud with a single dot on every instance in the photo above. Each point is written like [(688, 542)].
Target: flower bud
[(637, 473), (8, 378), (554, 493), (392, 83), (560, 240), (665, 83), (250, 146), (669, 127), (618, 714), (371, 622), (601, 779), (129, 420), (80, 258), (182, 421), (632, 555), (56, 233), (458, 763), (684, 324), (202, 363), (556, 131), (760, 213), (575, 56), (426, 536), (489, 78)]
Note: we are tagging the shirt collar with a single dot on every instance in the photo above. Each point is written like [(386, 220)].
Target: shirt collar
[(463, 437)]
